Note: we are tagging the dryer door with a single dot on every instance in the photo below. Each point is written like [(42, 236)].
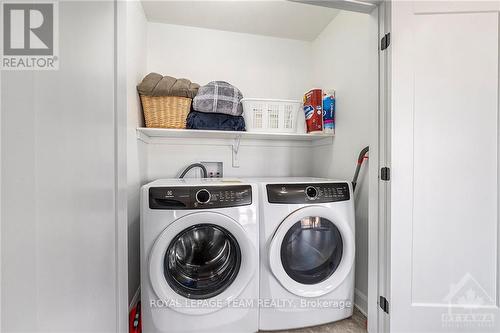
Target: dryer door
[(201, 256), (312, 251)]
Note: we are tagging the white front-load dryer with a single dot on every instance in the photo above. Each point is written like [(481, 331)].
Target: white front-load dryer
[(307, 249), (199, 256)]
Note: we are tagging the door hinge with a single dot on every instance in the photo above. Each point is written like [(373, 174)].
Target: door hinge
[(385, 174), (385, 42), (384, 304)]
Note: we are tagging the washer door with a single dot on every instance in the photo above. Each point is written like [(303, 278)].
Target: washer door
[(201, 256), (312, 251)]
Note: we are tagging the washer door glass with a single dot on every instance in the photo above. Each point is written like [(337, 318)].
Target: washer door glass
[(311, 250), (202, 261)]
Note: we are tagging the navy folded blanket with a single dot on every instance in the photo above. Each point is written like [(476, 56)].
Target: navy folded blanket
[(214, 121)]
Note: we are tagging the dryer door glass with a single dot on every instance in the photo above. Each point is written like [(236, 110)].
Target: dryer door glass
[(202, 261), (311, 250)]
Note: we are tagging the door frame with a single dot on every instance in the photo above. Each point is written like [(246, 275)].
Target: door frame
[(379, 203), (120, 165)]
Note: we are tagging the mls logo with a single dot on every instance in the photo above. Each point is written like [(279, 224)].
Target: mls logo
[(29, 36), (469, 306)]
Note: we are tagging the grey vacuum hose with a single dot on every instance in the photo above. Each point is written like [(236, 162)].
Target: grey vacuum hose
[(361, 158), (195, 165)]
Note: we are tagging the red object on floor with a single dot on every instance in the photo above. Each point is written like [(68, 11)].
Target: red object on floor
[(135, 320)]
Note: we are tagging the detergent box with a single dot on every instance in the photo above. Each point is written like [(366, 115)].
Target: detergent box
[(329, 112), (313, 109)]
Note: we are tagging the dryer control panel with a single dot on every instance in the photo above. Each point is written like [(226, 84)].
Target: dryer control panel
[(307, 193), (199, 197)]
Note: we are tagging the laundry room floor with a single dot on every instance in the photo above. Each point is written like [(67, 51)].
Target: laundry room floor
[(355, 324)]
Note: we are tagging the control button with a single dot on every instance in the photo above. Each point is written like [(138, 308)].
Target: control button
[(311, 192), (203, 196)]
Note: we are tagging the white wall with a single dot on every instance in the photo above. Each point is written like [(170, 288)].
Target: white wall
[(256, 159), (136, 159), (345, 59), (59, 253), (259, 66)]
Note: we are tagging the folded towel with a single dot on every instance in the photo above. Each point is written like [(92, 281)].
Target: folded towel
[(219, 97), (214, 121), (155, 84)]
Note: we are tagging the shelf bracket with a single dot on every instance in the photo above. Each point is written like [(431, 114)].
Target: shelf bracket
[(235, 150)]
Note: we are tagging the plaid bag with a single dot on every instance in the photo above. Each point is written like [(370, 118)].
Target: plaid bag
[(218, 97)]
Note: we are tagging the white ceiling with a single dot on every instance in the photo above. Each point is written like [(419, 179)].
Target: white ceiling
[(278, 18)]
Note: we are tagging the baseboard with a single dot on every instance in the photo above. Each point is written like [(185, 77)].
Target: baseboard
[(135, 299), (361, 302)]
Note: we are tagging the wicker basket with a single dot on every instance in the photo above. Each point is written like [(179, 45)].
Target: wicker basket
[(165, 111)]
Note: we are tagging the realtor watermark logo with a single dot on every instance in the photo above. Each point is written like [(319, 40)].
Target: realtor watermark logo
[(469, 306), (30, 36), (249, 303)]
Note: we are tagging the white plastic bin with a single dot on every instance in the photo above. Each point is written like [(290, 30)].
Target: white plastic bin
[(271, 115)]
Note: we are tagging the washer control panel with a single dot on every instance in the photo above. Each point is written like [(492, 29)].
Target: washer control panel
[(199, 197), (307, 193)]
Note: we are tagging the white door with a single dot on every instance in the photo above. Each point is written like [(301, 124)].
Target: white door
[(63, 178), (445, 167)]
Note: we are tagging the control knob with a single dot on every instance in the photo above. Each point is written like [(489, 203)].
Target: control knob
[(311, 192), (202, 196)]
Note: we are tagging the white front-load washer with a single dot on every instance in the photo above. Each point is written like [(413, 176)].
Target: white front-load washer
[(199, 256), (307, 252)]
